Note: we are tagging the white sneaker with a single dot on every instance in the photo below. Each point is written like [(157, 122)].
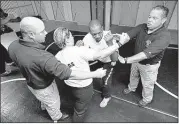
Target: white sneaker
[(104, 102)]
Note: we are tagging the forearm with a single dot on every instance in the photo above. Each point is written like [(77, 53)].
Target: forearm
[(81, 75), (114, 56), (106, 52), (136, 58), (6, 20)]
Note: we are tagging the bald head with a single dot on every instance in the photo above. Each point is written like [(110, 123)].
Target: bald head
[(94, 24), (31, 24), (96, 30), (33, 29)]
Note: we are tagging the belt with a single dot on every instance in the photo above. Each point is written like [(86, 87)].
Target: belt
[(148, 63)]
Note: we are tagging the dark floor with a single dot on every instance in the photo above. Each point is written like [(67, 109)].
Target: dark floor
[(19, 105)]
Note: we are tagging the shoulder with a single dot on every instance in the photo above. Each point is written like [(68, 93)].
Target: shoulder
[(14, 45), (141, 26), (44, 56), (87, 36), (165, 35), (88, 39), (47, 59)]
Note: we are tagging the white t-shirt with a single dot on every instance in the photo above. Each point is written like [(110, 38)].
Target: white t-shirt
[(77, 59), (90, 42)]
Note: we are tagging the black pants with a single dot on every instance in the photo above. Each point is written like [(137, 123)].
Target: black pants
[(82, 98), (106, 88), (4, 58)]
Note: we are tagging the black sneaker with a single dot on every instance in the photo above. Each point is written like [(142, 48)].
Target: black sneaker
[(6, 73)]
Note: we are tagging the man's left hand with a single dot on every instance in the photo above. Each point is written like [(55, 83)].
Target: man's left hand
[(121, 59)]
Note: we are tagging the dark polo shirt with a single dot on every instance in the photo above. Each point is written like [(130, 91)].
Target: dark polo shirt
[(153, 45), (50, 45), (37, 66)]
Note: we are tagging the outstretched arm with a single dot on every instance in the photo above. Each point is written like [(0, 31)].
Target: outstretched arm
[(80, 75), (135, 58), (112, 50), (9, 17), (105, 52), (63, 72)]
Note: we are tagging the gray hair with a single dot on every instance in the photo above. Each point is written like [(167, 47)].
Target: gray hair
[(164, 9)]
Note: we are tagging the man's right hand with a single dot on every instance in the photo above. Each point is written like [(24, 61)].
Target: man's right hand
[(79, 43), (122, 38), (100, 72)]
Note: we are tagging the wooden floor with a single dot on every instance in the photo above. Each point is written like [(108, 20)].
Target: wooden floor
[(19, 105)]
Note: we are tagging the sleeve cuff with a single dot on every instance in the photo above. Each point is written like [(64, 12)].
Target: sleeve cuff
[(148, 54)]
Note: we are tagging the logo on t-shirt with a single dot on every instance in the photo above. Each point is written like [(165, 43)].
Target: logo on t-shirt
[(71, 65), (148, 42)]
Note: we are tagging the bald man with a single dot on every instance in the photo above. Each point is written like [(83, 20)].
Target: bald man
[(39, 67), (98, 39)]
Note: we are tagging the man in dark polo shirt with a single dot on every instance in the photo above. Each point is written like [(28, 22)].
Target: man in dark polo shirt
[(151, 41), (40, 67)]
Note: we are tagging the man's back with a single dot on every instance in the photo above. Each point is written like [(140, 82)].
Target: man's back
[(32, 61)]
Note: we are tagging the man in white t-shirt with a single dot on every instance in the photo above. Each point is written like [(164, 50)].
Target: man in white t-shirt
[(77, 59), (96, 39)]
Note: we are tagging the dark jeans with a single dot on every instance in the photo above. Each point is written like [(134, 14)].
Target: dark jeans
[(106, 89), (82, 97), (4, 58)]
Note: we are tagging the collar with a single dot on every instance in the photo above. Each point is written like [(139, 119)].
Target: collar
[(31, 44), (157, 31)]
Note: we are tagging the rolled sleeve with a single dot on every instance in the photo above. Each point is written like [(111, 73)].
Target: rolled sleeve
[(56, 68), (158, 45)]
